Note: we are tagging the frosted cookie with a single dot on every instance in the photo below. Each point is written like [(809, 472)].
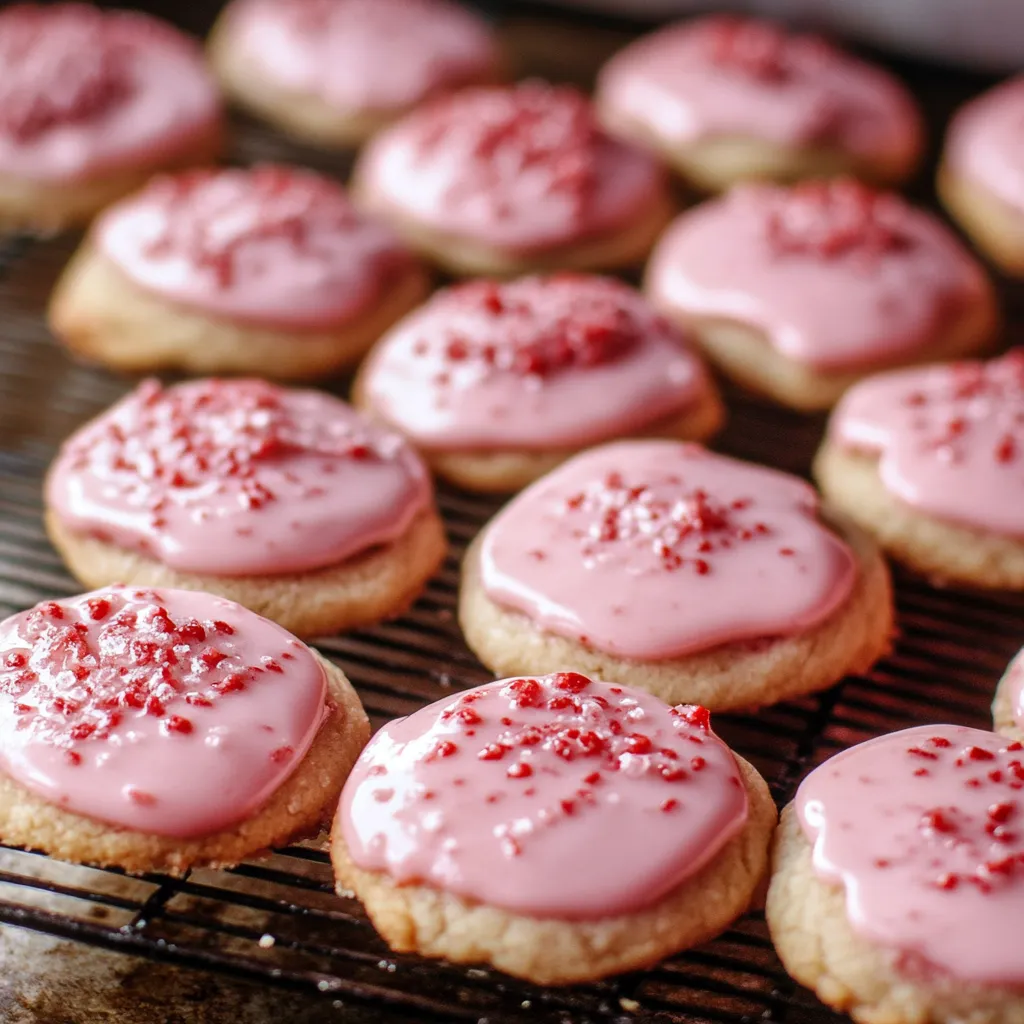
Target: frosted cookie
[(333, 72), (798, 292), (696, 577), (981, 176), (496, 384), (897, 888), (928, 461), (91, 103), (728, 98), (504, 181), (469, 829), (159, 730), (289, 502), (267, 271)]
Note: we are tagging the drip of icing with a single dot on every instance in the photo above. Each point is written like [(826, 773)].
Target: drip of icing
[(237, 478), (268, 244), (837, 276), (950, 439), (364, 55), (657, 549), (737, 77), (167, 712), (537, 363), (925, 829), (503, 794), (83, 91), (523, 168)]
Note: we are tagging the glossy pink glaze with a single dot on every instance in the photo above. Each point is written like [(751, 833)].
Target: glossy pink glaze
[(950, 439), (272, 245), (535, 363), (363, 55), (923, 828), (235, 478), (728, 76), (985, 143), (523, 168), (836, 275), (83, 92), (530, 795), (658, 549), (167, 712)]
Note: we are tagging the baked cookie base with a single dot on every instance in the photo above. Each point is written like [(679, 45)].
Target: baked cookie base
[(943, 551), (736, 676), (995, 227), (1003, 719), (361, 591), (549, 951), (102, 316), (812, 935), (300, 807)]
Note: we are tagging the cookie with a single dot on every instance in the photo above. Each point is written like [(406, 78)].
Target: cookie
[(334, 72), (496, 384), (1008, 704), (696, 577), (160, 730), (798, 292), (505, 181), (897, 890), (468, 830), (266, 271), (980, 181), (288, 502), (928, 461), (725, 99), (91, 103)]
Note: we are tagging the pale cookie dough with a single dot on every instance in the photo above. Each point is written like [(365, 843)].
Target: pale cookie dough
[(1007, 704), (995, 226)]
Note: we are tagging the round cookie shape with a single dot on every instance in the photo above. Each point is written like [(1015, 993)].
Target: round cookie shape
[(514, 178), (85, 93), (789, 105), (172, 713), (652, 550), (270, 246), (921, 829), (535, 364), (233, 478), (836, 277)]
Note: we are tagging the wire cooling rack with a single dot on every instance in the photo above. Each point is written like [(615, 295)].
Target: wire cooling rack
[(277, 920)]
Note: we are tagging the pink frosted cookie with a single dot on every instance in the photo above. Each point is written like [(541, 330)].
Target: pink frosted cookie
[(981, 177), (156, 730), (500, 826), (504, 181), (333, 72), (688, 574), (498, 383), (929, 461), (898, 885), (799, 291), (91, 103), (268, 270), (290, 502), (728, 98)]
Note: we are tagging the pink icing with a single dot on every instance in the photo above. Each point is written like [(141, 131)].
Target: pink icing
[(524, 168), (836, 275), (728, 76), (84, 91), (237, 478), (922, 827), (534, 363), (530, 794), (950, 439), (169, 712), (985, 142), (656, 549), (270, 244)]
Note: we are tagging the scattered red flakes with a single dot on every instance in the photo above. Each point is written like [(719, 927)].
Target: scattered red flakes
[(178, 724), (519, 770)]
